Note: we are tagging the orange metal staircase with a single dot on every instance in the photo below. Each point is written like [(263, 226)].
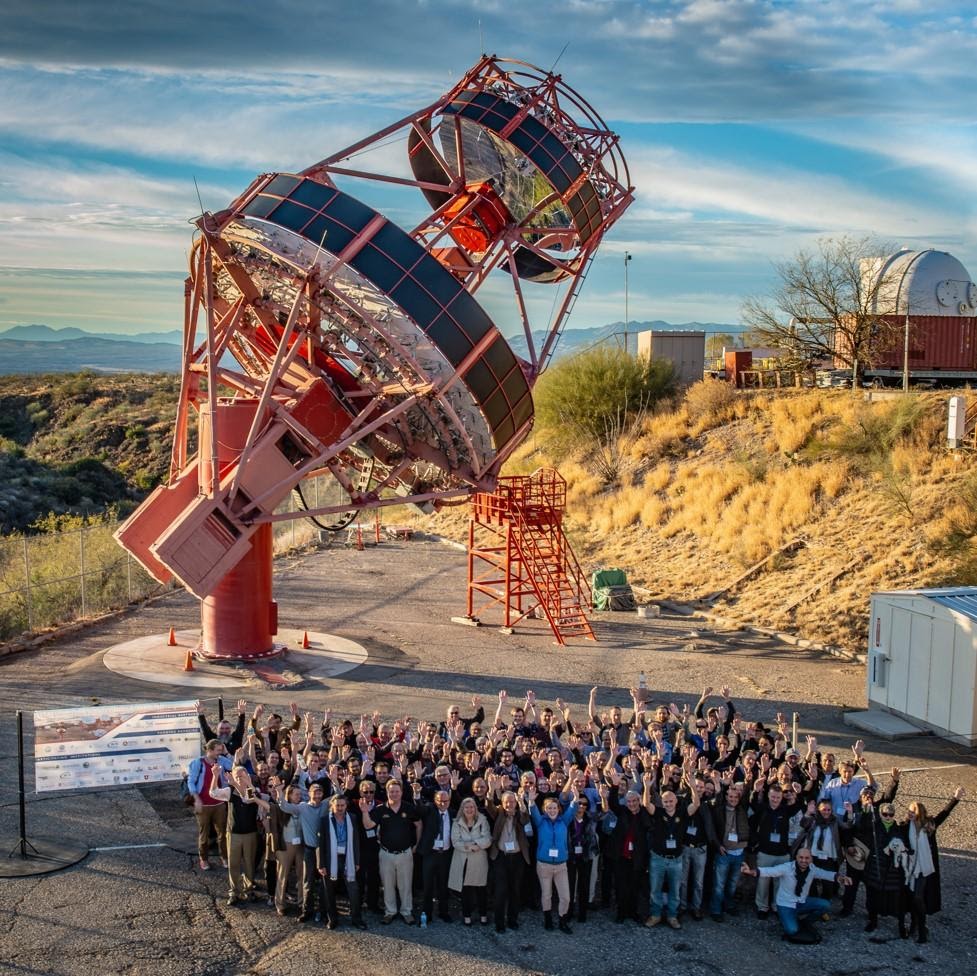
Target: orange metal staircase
[(519, 556)]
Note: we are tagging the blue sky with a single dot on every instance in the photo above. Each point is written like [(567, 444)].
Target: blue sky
[(752, 128)]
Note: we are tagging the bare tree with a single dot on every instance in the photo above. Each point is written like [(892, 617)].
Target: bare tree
[(832, 302), (716, 342)]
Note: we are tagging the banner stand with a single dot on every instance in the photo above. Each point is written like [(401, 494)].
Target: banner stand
[(30, 858)]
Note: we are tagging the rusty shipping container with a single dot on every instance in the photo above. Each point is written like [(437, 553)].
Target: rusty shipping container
[(736, 361), (936, 342)]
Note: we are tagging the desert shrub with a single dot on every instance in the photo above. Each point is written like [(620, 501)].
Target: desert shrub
[(709, 402), (662, 433), (626, 506), (598, 396), (794, 421), (955, 536), (654, 512), (658, 478), (874, 431)]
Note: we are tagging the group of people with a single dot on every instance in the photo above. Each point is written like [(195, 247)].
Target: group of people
[(659, 815)]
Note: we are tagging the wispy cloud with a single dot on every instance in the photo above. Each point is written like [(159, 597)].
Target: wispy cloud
[(110, 110)]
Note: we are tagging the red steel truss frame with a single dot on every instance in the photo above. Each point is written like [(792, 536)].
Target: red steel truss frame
[(361, 352), (520, 559)]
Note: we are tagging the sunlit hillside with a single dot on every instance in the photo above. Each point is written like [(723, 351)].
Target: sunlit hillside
[(840, 495)]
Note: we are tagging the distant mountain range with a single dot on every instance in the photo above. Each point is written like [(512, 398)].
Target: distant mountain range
[(576, 340), (41, 349), (44, 333)]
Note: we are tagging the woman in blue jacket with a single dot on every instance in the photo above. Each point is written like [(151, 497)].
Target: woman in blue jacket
[(551, 856)]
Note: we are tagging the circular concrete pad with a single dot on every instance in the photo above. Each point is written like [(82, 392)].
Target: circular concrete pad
[(152, 659), (42, 857)]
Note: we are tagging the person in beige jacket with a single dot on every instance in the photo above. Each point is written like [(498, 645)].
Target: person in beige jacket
[(470, 840)]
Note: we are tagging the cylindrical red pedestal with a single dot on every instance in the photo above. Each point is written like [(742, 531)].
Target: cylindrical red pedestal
[(239, 619)]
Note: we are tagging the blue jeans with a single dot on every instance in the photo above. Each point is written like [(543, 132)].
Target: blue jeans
[(660, 869), (790, 918), (694, 870), (725, 879)]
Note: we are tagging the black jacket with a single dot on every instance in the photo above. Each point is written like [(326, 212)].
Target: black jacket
[(932, 897), (235, 739), (639, 824), (322, 855), (431, 827)]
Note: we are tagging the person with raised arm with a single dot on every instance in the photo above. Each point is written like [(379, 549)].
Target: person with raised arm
[(669, 824), (731, 828), (845, 788), (211, 814), (510, 856), (922, 870), (551, 857), (232, 737), (627, 851), (244, 807), (310, 814)]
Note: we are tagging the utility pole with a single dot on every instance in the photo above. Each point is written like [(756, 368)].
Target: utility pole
[(905, 351), (627, 259), (905, 337)]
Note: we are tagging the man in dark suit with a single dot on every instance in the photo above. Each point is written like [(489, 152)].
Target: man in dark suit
[(435, 852), (338, 861)]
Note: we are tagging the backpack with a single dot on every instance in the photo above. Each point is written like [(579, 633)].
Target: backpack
[(185, 795)]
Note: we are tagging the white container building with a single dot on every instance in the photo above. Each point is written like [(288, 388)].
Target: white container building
[(685, 350), (922, 659)]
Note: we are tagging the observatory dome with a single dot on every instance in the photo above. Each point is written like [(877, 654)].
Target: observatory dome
[(926, 282)]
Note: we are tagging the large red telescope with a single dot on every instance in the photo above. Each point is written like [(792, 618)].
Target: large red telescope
[(359, 348)]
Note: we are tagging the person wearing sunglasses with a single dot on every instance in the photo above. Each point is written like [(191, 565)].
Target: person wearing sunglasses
[(884, 882)]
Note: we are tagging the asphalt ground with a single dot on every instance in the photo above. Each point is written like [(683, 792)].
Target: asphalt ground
[(149, 910)]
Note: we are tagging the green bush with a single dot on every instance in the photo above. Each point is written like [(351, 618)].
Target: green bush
[(591, 398), (870, 440)]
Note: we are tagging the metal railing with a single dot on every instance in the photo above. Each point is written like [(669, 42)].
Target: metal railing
[(52, 578)]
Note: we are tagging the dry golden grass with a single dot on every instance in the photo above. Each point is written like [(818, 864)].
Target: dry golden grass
[(703, 502), (709, 403), (794, 421), (654, 511), (663, 434), (658, 478)]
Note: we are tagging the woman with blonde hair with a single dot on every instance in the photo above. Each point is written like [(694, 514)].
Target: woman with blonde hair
[(923, 866), (470, 841)]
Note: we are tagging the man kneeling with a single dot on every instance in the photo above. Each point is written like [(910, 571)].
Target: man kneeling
[(794, 907)]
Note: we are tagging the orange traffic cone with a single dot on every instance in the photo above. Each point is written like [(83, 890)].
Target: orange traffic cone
[(305, 640), (188, 664), (359, 537), (171, 641)]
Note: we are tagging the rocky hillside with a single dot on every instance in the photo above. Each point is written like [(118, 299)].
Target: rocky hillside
[(79, 443), (781, 508)]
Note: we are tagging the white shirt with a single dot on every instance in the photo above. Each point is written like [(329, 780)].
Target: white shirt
[(787, 882), (445, 835), (823, 842)]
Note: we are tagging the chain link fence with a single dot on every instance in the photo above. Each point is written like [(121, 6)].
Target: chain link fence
[(53, 578), (50, 579)]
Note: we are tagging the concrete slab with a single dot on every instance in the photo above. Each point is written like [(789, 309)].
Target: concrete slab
[(151, 912), (883, 724), (152, 659)]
